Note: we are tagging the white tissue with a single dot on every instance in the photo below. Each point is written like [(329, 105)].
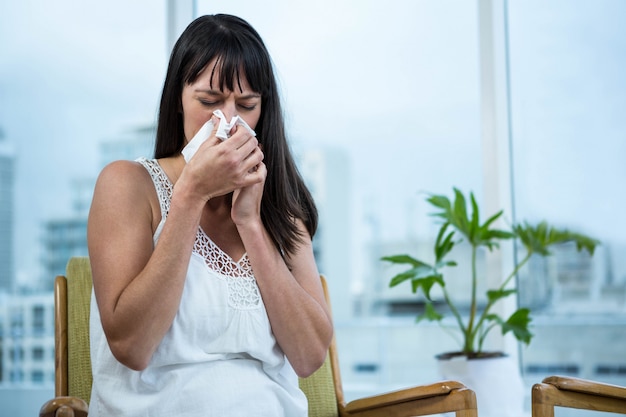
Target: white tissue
[(223, 132), (193, 145)]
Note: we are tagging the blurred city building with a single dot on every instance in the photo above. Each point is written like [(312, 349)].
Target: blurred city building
[(27, 339), (7, 181)]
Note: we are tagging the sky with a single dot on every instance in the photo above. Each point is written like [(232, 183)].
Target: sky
[(394, 84)]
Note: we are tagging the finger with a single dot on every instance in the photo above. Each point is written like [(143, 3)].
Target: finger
[(261, 171), (248, 148), (242, 136), (255, 157), (251, 166), (216, 124)]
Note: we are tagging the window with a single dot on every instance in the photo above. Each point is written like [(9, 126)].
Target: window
[(37, 376), (39, 316), (568, 89), (38, 354), (16, 355), (17, 321)]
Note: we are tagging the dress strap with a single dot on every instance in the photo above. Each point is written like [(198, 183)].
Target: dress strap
[(162, 183)]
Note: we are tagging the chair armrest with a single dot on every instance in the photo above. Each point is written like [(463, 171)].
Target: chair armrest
[(586, 387), (558, 391), (64, 407), (447, 396)]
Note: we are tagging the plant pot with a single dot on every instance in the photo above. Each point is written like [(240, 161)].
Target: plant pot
[(494, 377)]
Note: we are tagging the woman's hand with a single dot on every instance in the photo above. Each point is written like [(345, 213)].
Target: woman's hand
[(220, 167), (247, 200)]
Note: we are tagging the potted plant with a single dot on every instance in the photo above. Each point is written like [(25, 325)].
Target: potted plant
[(457, 225)]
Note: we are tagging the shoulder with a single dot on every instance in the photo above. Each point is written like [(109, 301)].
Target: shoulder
[(125, 192), (124, 182), (123, 174), (124, 168)]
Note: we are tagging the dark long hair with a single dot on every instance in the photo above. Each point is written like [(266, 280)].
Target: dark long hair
[(240, 52)]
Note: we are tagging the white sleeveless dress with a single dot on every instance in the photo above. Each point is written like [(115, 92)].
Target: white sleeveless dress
[(219, 358)]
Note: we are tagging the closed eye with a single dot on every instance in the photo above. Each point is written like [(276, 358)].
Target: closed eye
[(248, 107), (209, 103)]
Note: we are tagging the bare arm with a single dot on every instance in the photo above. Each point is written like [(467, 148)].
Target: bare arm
[(137, 286), (294, 298)]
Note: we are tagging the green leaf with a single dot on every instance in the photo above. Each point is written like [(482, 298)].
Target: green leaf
[(443, 245), (440, 265), (422, 271), (518, 324), (499, 234), (495, 295), (401, 277), (426, 284), (474, 224), (539, 238), (493, 219), (429, 314), (440, 201), (459, 216), (403, 259)]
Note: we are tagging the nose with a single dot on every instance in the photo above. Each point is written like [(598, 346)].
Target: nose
[(229, 109)]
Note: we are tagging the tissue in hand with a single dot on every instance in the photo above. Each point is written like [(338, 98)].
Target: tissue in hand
[(223, 132)]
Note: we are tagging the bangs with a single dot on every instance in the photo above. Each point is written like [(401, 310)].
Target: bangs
[(234, 58)]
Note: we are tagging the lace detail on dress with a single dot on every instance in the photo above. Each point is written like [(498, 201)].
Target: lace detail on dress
[(243, 292), (162, 183)]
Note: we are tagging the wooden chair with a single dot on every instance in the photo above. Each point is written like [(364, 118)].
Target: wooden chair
[(323, 388), (569, 392)]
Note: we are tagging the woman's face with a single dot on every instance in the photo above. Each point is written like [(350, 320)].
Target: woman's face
[(200, 99)]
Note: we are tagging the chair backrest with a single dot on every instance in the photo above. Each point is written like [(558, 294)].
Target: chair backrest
[(73, 364), (72, 301)]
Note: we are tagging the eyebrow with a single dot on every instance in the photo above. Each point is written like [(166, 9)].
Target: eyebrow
[(214, 92)]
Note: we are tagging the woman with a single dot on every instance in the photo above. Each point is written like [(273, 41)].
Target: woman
[(207, 300)]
